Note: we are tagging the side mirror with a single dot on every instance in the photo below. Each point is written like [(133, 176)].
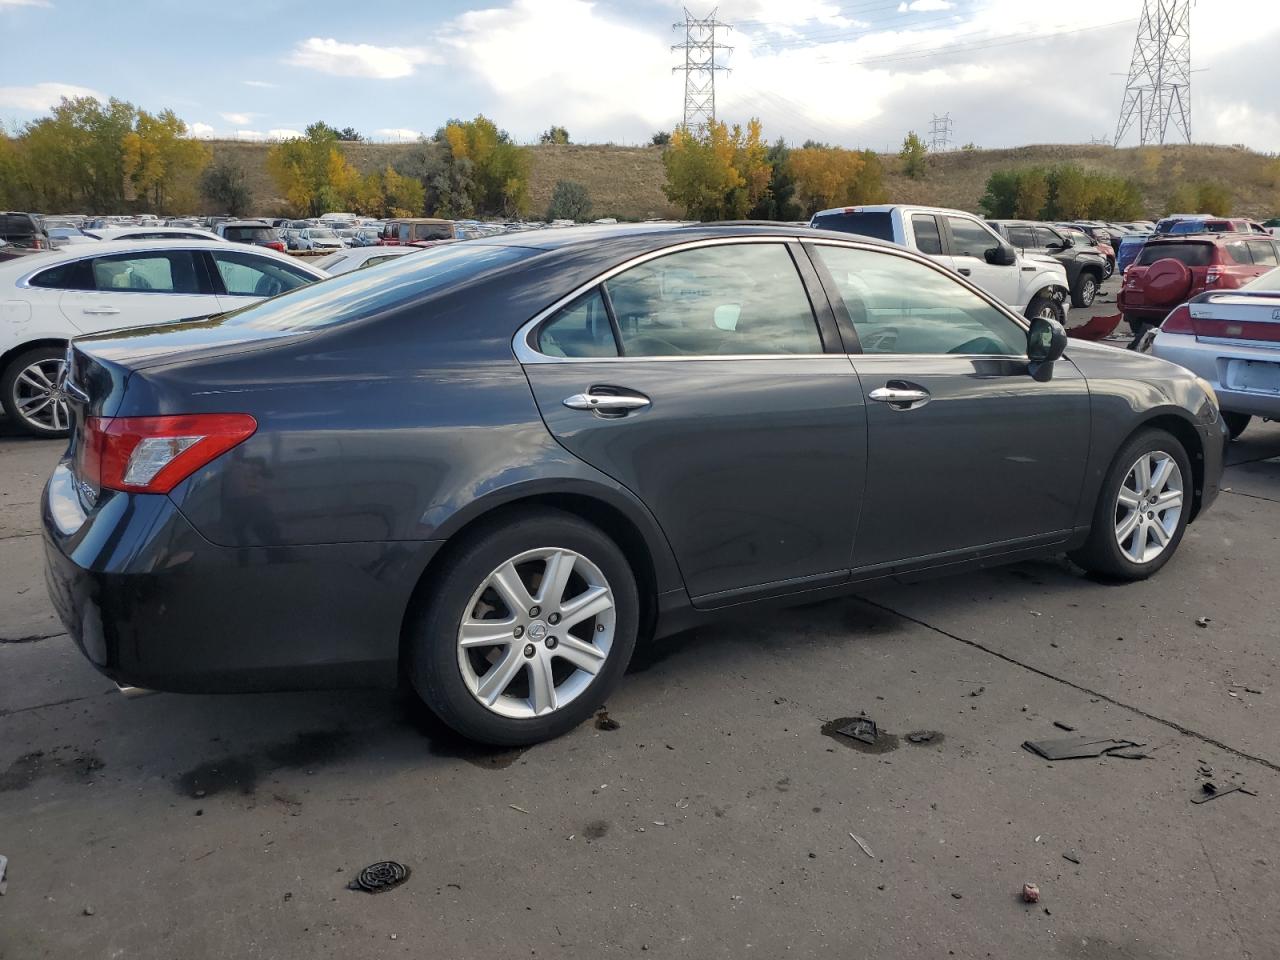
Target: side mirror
[(1068, 242), (1046, 342), (1002, 256)]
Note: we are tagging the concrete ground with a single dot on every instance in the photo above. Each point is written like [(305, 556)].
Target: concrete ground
[(716, 821)]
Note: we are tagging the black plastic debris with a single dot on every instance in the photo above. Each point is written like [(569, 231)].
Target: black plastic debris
[(1211, 791), (1064, 726), (606, 722), (380, 876), (1203, 622), (4, 865), (1082, 748), (1072, 856), (862, 729), (922, 736)]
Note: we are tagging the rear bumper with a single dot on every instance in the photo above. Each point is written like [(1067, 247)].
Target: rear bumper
[(1211, 360), (153, 604)]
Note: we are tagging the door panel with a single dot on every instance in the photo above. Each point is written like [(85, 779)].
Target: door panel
[(754, 468), (138, 289)]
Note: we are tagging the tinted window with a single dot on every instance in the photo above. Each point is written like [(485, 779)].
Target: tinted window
[(732, 299), (66, 276), (247, 275), (432, 231), (1238, 252), (362, 293), (928, 239), (1264, 252), (1021, 236), (17, 224), (1192, 254), (581, 329), (168, 272), (1045, 236), (249, 234), (968, 239), (877, 225), (904, 307)]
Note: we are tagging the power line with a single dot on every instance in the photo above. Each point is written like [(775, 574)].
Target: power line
[(1158, 90), (700, 48)]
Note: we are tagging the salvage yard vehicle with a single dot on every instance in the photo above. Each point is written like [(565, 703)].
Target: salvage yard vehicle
[(1233, 341), (48, 298), (1171, 270), (1033, 285), (494, 467), (358, 258), (22, 230), (1086, 267)]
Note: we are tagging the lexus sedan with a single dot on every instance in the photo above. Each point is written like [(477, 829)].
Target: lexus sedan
[(493, 468)]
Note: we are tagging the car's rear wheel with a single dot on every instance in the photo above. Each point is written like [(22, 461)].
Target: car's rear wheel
[(1142, 510), (1236, 422), (1086, 290), (529, 629), (30, 389), (1044, 306)]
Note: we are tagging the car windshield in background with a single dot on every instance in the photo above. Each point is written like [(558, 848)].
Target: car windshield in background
[(360, 294), (877, 225), (250, 234), (322, 235), (1191, 254)]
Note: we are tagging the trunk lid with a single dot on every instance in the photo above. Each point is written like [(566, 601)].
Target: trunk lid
[(1237, 316)]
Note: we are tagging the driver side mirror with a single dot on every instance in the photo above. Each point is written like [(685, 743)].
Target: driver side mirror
[(1002, 256), (1046, 342)]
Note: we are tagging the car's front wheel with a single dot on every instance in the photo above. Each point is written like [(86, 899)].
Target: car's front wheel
[(31, 391), (1045, 306), (1086, 290), (1142, 509), (530, 627)]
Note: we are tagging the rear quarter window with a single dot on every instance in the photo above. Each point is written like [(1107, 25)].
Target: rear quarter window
[(876, 225), (77, 275), (1191, 254)]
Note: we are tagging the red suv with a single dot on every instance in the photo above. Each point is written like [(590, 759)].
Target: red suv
[(1169, 272)]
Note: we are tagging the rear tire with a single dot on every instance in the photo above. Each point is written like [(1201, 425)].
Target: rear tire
[(516, 691), (23, 387), (1236, 423), (1145, 549)]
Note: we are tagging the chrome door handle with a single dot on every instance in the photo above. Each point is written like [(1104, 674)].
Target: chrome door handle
[(901, 398), (606, 403), (102, 311)]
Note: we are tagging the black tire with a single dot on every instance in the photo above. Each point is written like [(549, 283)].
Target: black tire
[(432, 649), (1236, 422), (1110, 269), (9, 387), (1101, 553), (1043, 302), (1086, 290)]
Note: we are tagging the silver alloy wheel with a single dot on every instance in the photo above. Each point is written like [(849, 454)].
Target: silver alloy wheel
[(1088, 291), (1047, 312), (536, 632), (38, 397), (1149, 506)]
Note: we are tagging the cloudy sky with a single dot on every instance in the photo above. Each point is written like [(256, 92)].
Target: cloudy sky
[(859, 73)]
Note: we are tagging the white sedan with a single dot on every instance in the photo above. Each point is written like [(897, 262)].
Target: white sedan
[(357, 258), (48, 298), (149, 232)]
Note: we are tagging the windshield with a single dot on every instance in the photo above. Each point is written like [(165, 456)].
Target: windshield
[(322, 234), (360, 294), (1191, 254)]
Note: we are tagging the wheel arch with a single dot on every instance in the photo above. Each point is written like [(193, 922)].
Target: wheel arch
[(1184, 431), (7, 357)]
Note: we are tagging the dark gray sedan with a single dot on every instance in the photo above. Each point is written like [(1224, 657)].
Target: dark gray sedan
[(495, 467)]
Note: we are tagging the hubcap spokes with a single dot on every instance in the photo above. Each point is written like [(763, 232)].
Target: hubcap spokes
[(536, 632), (38, 397), (1149, 506)]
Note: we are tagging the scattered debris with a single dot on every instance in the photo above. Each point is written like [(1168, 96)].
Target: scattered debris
[(1063, 726), (4, 865), (863, 844), (923, 736), (861, 733), (380, 876), (1241, 686), (518, 809), (606, 722), (1072, 856), (977, 693), (1034, 613), (89, 911), (1030, 893), (861, 728), (1082, 748), (1211, 791), (1203, 621), (957, 896), (682, 803)]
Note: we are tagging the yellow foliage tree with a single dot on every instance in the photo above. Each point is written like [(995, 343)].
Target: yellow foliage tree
[(161, 162), (720, 176)]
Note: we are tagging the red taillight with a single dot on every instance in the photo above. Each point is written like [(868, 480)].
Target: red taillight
[(155, 454), (1213, 275), (1179, 321), (277, 246)]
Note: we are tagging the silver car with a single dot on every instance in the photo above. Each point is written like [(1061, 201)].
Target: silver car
[(1231, 339)]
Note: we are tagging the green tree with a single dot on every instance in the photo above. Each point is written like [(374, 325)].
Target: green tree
[(720, 176), (312, 172), (225, 186), (350, 134), (660, 139), (778, 202), (483, 163), (555, 135), (403, 196), (1033, 194), (914, 157), (1000, 202), (569, 201), (1203, 197), (161, 162)]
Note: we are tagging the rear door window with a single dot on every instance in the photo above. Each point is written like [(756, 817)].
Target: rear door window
[(1021, 236), (1238, 252), (169, 271), (1191, 254), (248, 275), (928, 237)]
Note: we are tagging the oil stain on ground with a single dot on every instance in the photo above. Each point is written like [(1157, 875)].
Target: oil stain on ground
[(446, 743), (239, 773), (30, 767), (883, 743)]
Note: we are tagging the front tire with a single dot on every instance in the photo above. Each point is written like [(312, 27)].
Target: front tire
[(1236, 423), (1086, 290), (1142, 509), (1044, 305), (529, 629), (30, 394)]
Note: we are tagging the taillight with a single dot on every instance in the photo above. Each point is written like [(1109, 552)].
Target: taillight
[(1213, 275), (155, 454), (1179, 321), (276, 246)]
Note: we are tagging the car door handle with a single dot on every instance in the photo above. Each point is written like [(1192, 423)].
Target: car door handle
[(102, 311), (965, 272), (607, 404), (901, 396)]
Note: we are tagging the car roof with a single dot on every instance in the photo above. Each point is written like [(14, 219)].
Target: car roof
[(663, 234), (83, 251), (890, 207)]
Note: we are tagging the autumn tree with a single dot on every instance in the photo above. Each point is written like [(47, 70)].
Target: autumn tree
[(720, 176), (834, 177), (555, 135), (1204, 197), (914, 157), (483, 169), (402, 196), (312, 172), (1033, 194), (161, 161)]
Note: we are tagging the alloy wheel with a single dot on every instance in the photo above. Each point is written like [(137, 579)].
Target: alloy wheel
[(536, 632), (38, 398), (1149, 506), (1088, 290)]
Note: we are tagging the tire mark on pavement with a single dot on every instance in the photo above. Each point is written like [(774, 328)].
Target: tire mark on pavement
[(1171, 724)]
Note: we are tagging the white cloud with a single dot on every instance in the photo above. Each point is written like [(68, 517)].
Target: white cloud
[(397, 133), (784, 16), (920, 6), (239, 119), (25, 3), (200, 130), (283, 133), (250, 135), (358, 59), (258, 83), (42, 96)]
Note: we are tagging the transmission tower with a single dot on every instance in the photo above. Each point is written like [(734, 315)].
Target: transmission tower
[(1159, 87), (940, 133), (700, 48)]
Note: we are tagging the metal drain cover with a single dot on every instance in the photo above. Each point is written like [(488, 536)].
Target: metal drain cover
[(380, 876)]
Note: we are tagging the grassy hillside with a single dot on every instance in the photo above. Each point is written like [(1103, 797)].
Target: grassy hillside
[(626, 182)]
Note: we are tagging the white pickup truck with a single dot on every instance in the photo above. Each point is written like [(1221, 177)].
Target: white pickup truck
[(1036, 286)]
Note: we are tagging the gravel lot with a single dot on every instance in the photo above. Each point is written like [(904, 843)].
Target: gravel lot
[(716, 821)]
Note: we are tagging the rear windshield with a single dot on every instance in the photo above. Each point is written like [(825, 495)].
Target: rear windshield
[(250, 234), (433, 231), (16, 223), (1192, 254), (361, 293), (877, 225)]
